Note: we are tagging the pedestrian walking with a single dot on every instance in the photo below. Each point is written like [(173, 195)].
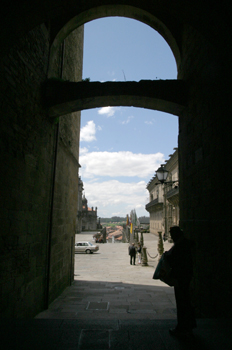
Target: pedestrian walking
[(132, 253), (180, 259), (139, 251)]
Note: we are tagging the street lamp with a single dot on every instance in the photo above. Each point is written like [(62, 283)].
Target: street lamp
[(162, 174)]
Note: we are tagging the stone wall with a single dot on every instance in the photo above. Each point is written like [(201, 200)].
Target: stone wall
[(32, 252), (66, 176), (157, 220), (27, 150), (89, 220), (204, 144)]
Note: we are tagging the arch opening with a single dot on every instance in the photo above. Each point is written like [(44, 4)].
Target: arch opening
[(112, 11), (119, 144)]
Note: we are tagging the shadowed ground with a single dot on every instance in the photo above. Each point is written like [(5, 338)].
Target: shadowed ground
[(113, 305)]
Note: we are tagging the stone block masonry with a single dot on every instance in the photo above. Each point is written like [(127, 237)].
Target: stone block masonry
[(203, 145), (27, 144), (66, 174)]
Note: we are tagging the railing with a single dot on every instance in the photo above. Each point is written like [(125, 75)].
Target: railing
[(153, 203), (172, 192)]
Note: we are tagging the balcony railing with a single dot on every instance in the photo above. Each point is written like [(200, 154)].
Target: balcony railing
[(154, 203), (173, 192)]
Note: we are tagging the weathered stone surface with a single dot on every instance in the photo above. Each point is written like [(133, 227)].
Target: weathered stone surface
[(27, 162), (165, 95), (27, 146), (66, 176)]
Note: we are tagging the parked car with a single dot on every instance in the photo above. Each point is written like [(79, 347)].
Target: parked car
[(85, 247)]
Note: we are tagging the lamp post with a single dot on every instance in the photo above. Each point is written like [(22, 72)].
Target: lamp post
[(162, 175)]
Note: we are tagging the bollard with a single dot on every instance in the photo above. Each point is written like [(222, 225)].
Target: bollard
[(144, 256), (160, 245), (141, 239), (136, 237)]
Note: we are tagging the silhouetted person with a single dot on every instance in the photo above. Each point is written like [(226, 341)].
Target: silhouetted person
[(180, 259), (132, 253)]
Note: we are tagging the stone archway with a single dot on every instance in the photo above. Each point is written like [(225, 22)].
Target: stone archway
[(110, 11), (200, 36), (168, 96)]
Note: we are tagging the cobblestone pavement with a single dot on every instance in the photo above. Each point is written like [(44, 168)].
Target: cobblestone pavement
[(113, 305)]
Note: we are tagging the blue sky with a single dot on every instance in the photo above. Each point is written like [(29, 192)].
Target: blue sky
[(122, 147)]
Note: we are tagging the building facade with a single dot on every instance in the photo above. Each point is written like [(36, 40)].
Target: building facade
[(86, 219), (79, 207), (164, 199), (89, 216)]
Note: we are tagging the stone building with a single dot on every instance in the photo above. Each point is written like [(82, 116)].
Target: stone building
[(144, 222), (86, 219), (89, 217), (79, 207), (39, 138), (164, 199)]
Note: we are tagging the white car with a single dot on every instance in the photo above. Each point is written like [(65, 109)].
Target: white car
[(85, 247)]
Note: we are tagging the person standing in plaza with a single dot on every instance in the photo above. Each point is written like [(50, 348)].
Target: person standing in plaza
[(132, 253), (179, 258), (139, 250)]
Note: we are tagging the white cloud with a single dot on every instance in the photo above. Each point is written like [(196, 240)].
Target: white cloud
[(148, 122), (83, 150), (115, 164), (109, 111), (128, 120), (88, 132), (113, 197)]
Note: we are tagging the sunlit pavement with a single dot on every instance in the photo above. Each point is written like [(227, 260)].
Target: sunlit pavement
[(113, 305), (107, 286)]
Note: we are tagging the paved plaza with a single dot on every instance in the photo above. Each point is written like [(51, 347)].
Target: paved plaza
[(113, 305), (107, 285)]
